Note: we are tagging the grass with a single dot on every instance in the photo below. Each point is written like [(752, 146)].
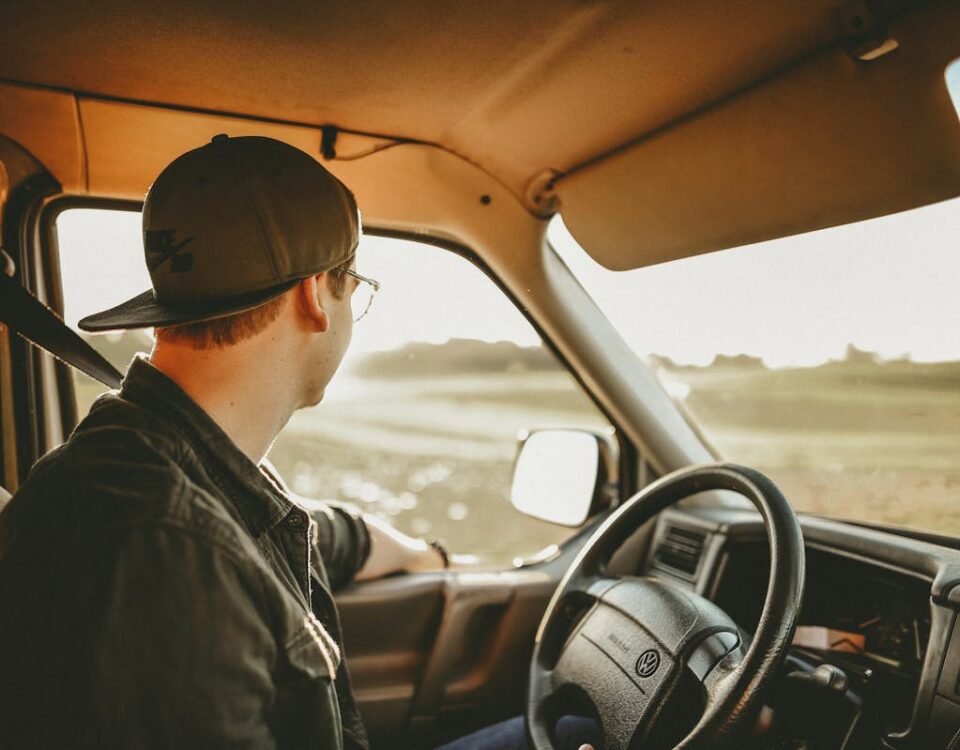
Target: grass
[(434, 455), (859, 439)]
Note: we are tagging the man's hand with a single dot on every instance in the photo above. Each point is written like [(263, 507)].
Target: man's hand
[(392, 551)]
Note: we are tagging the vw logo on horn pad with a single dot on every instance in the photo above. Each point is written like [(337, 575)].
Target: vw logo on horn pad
[(648, 663)]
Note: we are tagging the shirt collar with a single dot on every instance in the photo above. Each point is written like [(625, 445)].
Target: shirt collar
[(258, 500)]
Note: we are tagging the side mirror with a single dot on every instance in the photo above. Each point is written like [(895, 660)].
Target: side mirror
[(563, 476)]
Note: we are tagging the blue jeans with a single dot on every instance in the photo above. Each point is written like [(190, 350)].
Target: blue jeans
[(572, 732)]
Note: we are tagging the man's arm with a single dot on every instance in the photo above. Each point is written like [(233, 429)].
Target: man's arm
[(392, 551), (358, 546)]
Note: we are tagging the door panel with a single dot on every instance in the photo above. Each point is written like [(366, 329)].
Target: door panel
[(389, 629), (435, 655)]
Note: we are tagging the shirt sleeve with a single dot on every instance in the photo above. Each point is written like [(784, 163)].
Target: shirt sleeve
[(185, 654), (343, 541)]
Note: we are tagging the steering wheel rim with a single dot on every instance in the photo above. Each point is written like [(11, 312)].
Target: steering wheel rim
[(611, 622)]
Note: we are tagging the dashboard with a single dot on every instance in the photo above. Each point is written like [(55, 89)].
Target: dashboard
[(872, 623), (879, 609), (865, 616)]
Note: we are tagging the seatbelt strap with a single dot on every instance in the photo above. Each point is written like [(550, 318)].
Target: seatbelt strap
[(26, 315)]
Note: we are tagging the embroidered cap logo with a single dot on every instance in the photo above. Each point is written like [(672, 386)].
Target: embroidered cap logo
[(161, 245)]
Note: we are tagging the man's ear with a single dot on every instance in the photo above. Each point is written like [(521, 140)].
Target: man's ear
[(310, 290)]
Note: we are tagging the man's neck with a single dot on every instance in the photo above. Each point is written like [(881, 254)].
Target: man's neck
[(241, 390)]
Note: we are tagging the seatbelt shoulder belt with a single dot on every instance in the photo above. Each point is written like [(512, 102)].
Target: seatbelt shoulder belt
[(30, 318)]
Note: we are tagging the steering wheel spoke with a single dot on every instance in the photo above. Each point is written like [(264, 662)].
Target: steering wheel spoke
[(619, 667), (589, 587), (586, 672), (716, 664), (572, 602)]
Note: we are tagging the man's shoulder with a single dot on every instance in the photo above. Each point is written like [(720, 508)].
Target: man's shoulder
[(115, 425), (119, 449), (123, 467)]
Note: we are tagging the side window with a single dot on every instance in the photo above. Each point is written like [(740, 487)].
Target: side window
[(101, 264), (420, 424)]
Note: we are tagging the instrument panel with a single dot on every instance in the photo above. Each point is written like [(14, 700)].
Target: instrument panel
[(871, 621), (855, 612)]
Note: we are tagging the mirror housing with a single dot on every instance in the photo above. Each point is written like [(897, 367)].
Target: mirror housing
[(564, 476)]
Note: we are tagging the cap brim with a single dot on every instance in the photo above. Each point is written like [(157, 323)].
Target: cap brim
[(146, 311)]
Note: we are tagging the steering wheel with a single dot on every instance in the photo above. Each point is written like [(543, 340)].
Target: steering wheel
[(637, 652)]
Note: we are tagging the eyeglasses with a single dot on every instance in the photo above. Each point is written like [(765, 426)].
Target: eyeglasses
[(362, 297)]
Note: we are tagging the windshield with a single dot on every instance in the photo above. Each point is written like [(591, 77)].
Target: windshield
[(830, 360)]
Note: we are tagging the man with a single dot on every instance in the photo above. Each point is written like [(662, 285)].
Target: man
[(160, 587)]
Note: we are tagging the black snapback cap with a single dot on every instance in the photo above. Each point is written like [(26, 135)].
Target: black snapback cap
[(232, 224)]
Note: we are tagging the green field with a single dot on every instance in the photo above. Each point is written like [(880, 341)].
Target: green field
[(860, 438), (435, 455), (431, 447)]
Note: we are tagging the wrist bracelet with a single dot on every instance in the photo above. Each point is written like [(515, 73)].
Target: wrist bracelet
[(441, 549)]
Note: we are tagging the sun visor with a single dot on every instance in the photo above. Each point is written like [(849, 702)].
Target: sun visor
[(829, 141)]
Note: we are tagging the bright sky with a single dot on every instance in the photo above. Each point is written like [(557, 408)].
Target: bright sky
[(889, 285), (427, 294)]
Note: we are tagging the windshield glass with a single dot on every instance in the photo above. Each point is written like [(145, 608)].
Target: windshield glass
[(829, 360)]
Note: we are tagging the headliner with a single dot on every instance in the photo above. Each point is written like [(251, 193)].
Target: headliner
[(517, 88), (724, 122)]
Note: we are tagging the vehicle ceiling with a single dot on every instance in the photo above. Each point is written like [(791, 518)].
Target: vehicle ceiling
[(518, 88)]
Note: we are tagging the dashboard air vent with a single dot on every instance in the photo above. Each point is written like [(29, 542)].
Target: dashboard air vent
[(680, 550)]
